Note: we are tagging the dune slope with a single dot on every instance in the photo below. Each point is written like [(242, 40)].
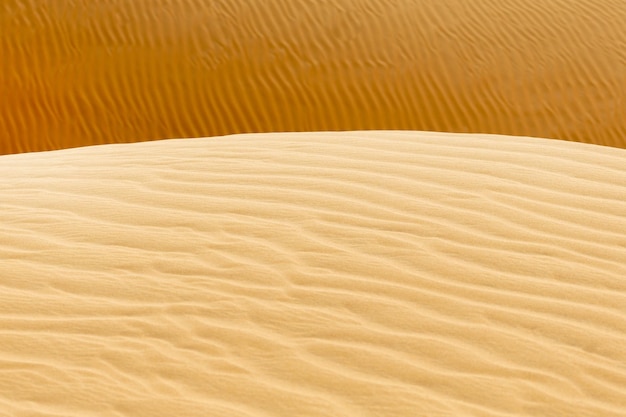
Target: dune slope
[(81, 72), (315, 274)]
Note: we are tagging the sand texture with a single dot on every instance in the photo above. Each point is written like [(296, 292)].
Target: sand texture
[(345, 274), (81, 72)]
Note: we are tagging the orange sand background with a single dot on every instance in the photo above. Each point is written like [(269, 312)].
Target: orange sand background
[(86, 72)]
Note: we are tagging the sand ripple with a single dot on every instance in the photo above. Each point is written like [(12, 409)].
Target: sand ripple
[(81, 72), (345, 274)]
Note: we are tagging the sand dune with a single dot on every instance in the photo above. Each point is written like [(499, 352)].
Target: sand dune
[(80, 72), (315, 274)]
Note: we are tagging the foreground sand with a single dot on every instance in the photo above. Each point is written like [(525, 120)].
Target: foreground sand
[(80, 72), (321, 274)]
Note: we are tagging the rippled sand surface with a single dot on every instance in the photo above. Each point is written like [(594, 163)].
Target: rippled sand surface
[(80, 72), (351, 274)]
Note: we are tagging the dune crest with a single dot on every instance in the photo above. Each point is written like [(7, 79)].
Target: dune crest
[(79, 72), (315, 274)]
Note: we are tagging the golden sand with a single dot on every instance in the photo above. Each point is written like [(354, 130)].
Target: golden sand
[(80, 72), (354, 274), (358, 274)]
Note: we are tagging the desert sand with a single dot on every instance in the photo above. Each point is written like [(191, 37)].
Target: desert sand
[(392, 272), (82, 72), (350, 274)]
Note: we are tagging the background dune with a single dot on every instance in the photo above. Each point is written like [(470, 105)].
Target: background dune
[(80, 72), (315, 274)]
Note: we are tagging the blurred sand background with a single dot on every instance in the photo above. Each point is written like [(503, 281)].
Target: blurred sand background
[(80, 72)]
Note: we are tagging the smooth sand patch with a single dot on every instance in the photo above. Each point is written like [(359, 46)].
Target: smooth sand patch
[(81, 72), (321, 274)]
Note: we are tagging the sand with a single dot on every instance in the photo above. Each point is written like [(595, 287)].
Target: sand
[(349, 274), (393, 272), (81, 72)]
